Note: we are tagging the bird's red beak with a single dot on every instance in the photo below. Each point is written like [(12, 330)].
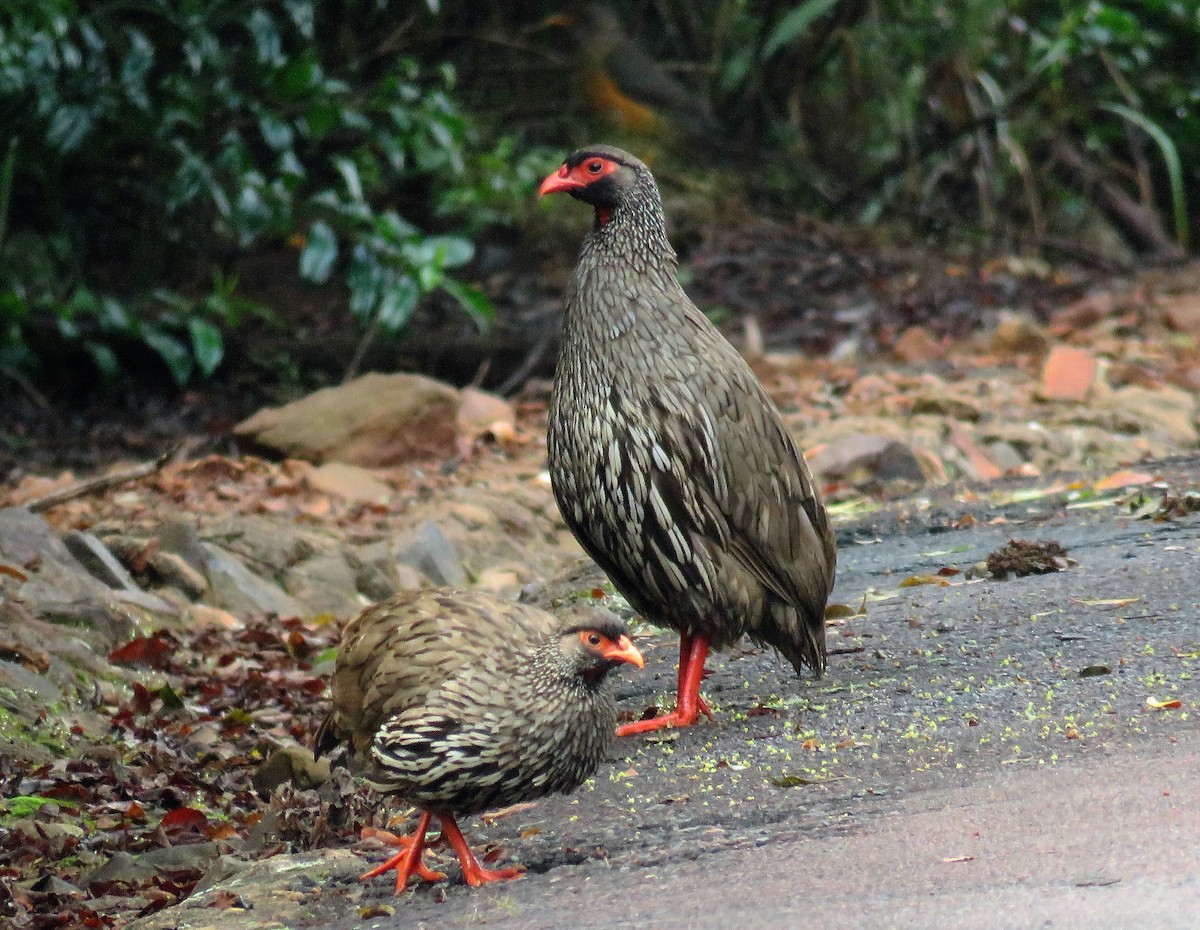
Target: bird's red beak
[(560, 181), (623, 650)]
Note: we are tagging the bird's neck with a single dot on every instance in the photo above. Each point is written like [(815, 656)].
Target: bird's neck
[(629, 241)]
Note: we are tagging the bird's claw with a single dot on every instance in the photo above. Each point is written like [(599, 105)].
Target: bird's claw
[(405, 862), (675, 719)]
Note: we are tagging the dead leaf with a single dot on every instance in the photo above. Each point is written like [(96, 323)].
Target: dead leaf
[(949, 859), (1171, 704), (913, 580), (1123, 479), (490, 817)]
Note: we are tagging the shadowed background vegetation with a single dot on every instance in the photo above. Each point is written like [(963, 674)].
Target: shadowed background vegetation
[(171, 170)]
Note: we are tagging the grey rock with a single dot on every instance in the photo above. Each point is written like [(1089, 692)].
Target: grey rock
[(181, 538), (176, 570), (860, 455), (376, 420), (268, 545), (374, 571), (19, 685), (431, 552), (180, 858), (324, 584), (236, 589), (292, 763), (102, 564), (121, 867)]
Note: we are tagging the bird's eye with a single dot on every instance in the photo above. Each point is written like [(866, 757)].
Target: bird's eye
[(594, 639), (595, 166)]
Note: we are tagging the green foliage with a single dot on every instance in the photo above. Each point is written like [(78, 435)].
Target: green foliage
[(995, 117), (903, 107), (157, 141)]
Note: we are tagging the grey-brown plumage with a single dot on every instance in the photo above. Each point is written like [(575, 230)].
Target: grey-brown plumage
[(669, 462), (459, 701)]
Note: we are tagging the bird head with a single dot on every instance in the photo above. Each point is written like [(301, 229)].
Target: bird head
[(594, 644), (603, 176)]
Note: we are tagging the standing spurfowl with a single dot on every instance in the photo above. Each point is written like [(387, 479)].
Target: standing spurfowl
[(459, 702), (669, 462)]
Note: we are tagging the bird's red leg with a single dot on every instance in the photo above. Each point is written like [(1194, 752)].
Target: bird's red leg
[(474, 874), (407, 862), (689, 705)]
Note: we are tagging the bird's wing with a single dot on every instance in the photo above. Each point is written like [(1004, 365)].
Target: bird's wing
[(743, 471), (395, 655)]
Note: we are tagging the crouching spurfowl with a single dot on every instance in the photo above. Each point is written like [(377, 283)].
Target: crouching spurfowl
[(669, 462), (459, 702)]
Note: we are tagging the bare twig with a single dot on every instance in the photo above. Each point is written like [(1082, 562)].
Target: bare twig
[(521, 374), (27, 386), (102, 482), (1140, 223)]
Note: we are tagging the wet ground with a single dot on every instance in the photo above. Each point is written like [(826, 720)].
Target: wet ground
[(982, 753)]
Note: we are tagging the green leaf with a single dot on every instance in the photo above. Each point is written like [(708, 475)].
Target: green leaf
[(104, 359), (397, 303), (349, 173), (69, 126), (321, 117), (266, 37), (473, 300), (394, 228), (208, 345), (1170, 158), (300, 76), (794, 25), (173, 352), (320, 252), (276, 131), (451, 251), (365, 279)]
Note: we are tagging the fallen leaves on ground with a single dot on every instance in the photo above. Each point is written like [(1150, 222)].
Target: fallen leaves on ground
[(128, 826)]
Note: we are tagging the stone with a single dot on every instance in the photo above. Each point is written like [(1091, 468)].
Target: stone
[(431, 552), (324, 584), (181, 538), (349, 482), (918, 345), (1163, 412), (482, 414), (236, 589), (374, 421), (203, 616), (1018, 334), (174, 570), (1182, 313), (290, 763), (1068, 375), (58, 588), (859, 456), (979, 466), (93, 555), (374, 578)]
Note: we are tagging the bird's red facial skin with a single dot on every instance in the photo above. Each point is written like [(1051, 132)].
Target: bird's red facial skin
[(586, 172), (623, 650)]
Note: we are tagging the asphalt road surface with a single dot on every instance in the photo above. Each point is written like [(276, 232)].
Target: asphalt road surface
[(982, 754)]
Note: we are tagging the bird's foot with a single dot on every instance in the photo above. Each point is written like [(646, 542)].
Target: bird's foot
[(681, 717), (476, 875), (407, 862)]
